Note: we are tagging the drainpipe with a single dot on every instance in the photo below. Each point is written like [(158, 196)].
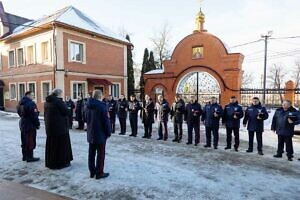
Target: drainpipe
[(54, 54)]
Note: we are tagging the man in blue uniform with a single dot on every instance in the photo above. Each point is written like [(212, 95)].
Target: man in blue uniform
[(254, 117), (283, 123), (192, 117), (29, 123), (212, 113), (98, 131), (177, 113), (233, 112)]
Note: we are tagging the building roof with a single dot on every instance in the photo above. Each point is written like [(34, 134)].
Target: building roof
[(69, 16), (156, 71), (14, 21)]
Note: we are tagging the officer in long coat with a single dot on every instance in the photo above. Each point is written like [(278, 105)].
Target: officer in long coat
[(122, 113), (112, 109), (29, 123), (133, 107), (148, 116)]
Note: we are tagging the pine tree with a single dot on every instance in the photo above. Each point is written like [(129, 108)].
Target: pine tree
[(152, 65), (130, 71), (145, 67)]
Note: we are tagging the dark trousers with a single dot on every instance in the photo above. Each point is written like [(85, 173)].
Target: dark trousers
[(70, 117), (123, 125), (258, 140), (148, 129), (236, 133), (133, 118), (98, 167), (113, 125), (163, 130), (196, 127), (28, 139), (81, 124), (288, 145), (178, 130), (212, 131)]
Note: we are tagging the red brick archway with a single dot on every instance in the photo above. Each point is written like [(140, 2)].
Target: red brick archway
[(214, 59)]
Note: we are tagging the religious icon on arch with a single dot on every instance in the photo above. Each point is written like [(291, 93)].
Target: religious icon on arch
[(197, 52)]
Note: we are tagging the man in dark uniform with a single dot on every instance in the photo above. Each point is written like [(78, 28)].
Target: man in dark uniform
[(192, 117), (133, 107), (255, 116), (162, 111), (177, 113), (148, 116), (29, 123), (98, 131), (112, 109), (79, 113), (233, 112), (122, 113), (70, 105), (211, 118), (283, 123)]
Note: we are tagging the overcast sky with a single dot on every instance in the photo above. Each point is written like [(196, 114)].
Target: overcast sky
[(233, 21)]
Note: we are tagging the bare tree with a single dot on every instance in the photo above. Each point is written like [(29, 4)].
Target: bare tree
[(296, 73), (247, 79), (276, 77), (161, 42)]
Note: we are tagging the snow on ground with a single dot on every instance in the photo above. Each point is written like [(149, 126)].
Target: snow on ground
[(148, 169)]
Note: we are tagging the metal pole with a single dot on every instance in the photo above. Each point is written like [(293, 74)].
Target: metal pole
[(265, 68), (197, 86)]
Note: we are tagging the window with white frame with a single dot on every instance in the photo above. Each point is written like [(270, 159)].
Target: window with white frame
[(78, 89), (76, 52), (115, 90), (11, 58), (46, 88), (20, 55), (30, 55), (45, 51), (13, 91), (21, 90), (31, 86)]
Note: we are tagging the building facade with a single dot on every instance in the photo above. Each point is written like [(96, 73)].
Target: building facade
[(65, 50)]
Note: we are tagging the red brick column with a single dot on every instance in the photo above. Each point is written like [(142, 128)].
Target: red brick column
[(289, 91)]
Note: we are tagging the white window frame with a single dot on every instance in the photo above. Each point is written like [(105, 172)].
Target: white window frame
[(83, 51), (9, 64), (49, 51), (17, 57), (110, 91), (25, 89), (35, 89), (50, 88), (16, 91), (78, 82), (33, 54)]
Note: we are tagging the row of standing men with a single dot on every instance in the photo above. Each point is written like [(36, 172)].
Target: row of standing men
[(283, 122)]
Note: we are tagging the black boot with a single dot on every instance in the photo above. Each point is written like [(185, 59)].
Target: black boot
[(249, 151), (105, 175), (260, 153), (175, 140), (227, 148), (277, 156)]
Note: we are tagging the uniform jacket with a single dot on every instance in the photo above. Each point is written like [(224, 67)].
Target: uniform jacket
[(70, 105), (122, 106), (148, 117), (193, 112), (280, 122), (208, 115), (228, 117), (79, 110), (134, 107), (56, 116), (29, 114), (112, 109), (162, 111), (177, 111), (98, 124), (251, 114)]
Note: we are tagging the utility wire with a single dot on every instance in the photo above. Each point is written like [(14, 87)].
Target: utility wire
[(244, 44)]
